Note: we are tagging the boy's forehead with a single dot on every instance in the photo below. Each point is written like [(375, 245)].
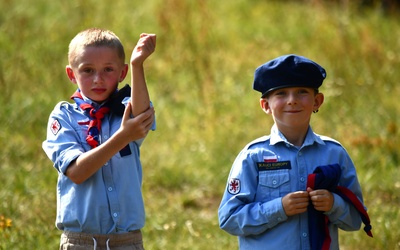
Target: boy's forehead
[(96, 53)]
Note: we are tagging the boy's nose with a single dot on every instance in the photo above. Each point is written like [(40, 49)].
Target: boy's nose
[(292, 98), (97, 78)]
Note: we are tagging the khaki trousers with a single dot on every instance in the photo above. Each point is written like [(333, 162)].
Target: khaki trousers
[(82, 241)]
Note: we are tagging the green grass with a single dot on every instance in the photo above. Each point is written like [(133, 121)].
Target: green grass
[(200, 81)]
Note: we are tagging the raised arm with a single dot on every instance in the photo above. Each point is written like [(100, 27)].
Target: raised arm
[(140, 96)]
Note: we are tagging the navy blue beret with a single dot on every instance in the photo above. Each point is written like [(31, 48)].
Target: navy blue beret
[(288, 71)]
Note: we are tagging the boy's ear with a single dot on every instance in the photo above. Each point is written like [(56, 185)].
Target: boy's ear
[(318, 100), (265, 105), (124, 73), (70, 74)]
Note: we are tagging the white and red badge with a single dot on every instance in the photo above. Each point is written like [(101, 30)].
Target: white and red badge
[(270, 158), (234, 186), (55, 126)]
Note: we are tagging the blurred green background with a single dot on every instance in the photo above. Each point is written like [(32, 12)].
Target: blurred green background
[(200, 81)]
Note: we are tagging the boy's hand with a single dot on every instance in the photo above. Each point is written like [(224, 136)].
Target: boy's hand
[(137, 127), (144, 48), (295, 203), (321, 199)]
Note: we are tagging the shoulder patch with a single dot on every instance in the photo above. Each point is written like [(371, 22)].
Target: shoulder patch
[(55, 126), (234, 186)]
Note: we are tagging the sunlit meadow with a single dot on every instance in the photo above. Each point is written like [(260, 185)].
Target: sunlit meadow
[(200, 82)]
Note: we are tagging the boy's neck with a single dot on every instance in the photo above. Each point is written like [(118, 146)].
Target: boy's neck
[(94, 103), (296, 136)]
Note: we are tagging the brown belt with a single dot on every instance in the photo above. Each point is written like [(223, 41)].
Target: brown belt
[(114, 240)]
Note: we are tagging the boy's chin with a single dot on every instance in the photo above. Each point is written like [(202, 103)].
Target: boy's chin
[(98, 100)]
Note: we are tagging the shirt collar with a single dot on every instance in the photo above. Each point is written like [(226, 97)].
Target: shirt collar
[(278, 137), (96, 105)]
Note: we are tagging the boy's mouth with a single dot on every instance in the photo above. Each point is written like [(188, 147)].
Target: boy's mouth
[(99, 90), (293, 111)]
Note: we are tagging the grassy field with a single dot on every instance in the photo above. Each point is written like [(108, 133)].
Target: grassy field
[(200, 81)]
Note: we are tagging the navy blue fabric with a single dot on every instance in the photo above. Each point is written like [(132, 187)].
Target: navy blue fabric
[(327, 177), (316, 219), (288, 71)]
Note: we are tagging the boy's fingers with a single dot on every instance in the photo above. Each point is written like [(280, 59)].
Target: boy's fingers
[(151, 37), (149, 115), (127, 112), (146, 116), (149, 121)]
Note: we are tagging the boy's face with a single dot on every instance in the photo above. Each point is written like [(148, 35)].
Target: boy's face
[(292, 107), (97, 72)]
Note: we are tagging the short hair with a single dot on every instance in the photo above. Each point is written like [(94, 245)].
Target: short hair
[(94, 37)]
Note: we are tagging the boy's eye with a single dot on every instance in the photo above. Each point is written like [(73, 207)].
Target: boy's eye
[(304, 91), (108, 69), (87, 70), (280, 93)]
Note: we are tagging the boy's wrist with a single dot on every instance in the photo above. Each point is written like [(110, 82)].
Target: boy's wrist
[(136, 63)]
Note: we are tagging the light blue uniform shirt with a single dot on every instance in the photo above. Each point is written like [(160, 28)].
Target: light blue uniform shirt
[(110, 201), (269, 168)]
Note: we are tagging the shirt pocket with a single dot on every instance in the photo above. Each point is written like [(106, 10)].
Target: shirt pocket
[(274, 184)]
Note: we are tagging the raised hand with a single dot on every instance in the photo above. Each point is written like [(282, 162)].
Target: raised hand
[(144, 48)]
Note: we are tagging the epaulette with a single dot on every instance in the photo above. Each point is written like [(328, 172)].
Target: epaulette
[(258, 140), (63, 107), (329, 139)]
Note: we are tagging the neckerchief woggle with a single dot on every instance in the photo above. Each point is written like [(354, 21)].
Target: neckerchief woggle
[(113, 105), (327, 177)]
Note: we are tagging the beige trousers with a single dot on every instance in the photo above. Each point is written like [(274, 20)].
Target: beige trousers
[(82, 241)]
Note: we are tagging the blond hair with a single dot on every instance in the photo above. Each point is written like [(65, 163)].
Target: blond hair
[(94, 37)]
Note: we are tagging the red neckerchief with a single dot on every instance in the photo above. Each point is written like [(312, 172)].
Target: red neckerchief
[(95, 116)]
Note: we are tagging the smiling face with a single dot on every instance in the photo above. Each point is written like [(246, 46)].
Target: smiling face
[(97, 70), (291, 108)]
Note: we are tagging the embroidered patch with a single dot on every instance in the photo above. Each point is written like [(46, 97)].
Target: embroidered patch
[(234, 186), (262, 166), (55, 127)]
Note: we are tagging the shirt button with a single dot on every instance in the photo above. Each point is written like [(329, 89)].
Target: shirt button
[(302, 179), (115, 214), (274, 182), (105, 137), (304, 235), (110, 189), (300, 153)]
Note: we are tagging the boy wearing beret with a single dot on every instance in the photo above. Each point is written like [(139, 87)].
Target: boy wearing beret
[(292, 189)]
